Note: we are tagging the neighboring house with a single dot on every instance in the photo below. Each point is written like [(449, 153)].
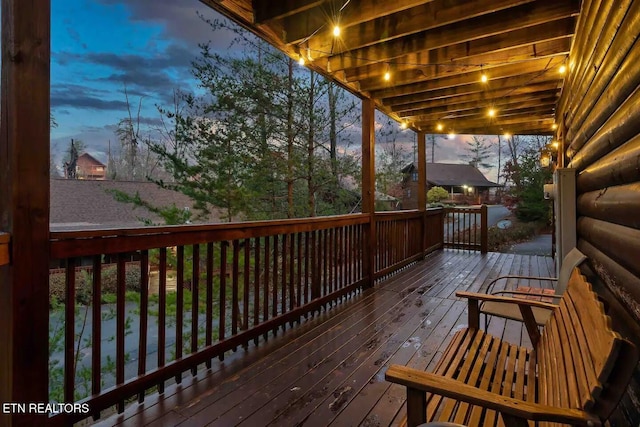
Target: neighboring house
[(84, 204), (88, 167), (463, 182)]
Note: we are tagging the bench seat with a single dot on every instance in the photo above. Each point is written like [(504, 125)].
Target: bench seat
[(575, 374)]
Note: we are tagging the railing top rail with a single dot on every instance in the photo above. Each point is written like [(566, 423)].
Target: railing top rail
[(104, 241)]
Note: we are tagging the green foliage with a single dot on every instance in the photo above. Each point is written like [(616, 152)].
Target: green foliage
[(526, 196), (479, 152), (436, 194)]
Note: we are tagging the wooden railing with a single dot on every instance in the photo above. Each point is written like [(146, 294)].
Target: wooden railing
[(4, 248), (466, 228), (180, 296), (241, 282), (404, 237)]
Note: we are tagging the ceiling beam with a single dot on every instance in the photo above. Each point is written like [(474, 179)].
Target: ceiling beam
[(537, 128), (511, 102), (321, 18), (475, 51), (437, 13), (473, 29), (546, 65), (500, 93), (481, 114), (489, 61), (517, 119), (266, 10)]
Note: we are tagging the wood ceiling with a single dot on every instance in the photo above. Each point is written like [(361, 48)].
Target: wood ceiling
[(434, 52)]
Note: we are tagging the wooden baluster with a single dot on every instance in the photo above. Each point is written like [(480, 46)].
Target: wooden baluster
[(325, 264), (209, 301), (120, 324), (307, 275), (96, 331), (299, 266), (274, 293), (283, 288), (162, 310), (292, 294), (246, 290), (265, 291), (69, 331), (195, 302), (315, 269), (235, 303), (179, 306), (256, 286), (144, 310), (223, 293)]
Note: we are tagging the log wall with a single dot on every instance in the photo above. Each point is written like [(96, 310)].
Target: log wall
[(600, 127)]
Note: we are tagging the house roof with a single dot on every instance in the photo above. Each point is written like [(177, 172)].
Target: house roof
[(92, 159), (86, 204), (448, 174)]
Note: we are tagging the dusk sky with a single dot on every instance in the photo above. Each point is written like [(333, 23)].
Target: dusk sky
[(99, 46)]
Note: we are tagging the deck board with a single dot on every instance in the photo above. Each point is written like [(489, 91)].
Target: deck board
[(329, 370)]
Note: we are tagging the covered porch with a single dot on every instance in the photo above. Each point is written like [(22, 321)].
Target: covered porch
[(360, 288), (329, 369)]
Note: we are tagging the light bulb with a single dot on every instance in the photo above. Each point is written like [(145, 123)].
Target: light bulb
[(491, 112), (563, 69), (387, 76), (336, 31), (301, 61), (439, 126), (484, 78)]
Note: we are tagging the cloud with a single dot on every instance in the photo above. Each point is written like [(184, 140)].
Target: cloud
[(76, 96), (179, 18)]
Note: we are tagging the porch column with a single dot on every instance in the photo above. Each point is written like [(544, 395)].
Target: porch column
[(24, 206), (369, 186), (422, 185)]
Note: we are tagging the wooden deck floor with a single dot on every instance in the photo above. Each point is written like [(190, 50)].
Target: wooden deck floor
[(329, 371)]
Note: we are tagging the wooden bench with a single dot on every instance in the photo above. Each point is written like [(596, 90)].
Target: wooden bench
[(576, 373)]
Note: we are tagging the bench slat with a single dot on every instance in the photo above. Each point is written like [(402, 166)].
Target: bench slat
[(574, 359)]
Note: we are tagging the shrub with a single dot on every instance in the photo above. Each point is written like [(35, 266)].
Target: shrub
[(436, 194)]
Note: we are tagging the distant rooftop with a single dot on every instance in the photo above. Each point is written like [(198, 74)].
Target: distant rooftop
[(448, 174), (86, 204)]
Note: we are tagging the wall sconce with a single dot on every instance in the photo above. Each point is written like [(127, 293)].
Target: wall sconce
[(548, 156)]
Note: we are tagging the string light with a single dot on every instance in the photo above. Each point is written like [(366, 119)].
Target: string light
[(484, 78), (336, 31), (301, 61), (451, 135), (403, 125), (563, 69), (439, 127), (491, 112), (507, 135), (555, 144), (554, 126)]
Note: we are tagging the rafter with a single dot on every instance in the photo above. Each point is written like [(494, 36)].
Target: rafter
[(534, 66), (437, 13), (499, 46), (533, 128), (500, 93), (266, 10), (517, 119), (302, 25), (473, 29), (507, 103), (489, 61)]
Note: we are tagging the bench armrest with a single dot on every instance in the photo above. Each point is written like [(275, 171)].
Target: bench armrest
[(493, 282), (524, 305), (420, 381), (497, 298)]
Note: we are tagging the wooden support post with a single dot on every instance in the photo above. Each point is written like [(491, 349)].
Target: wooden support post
[(484, 229), (416, 407), (369, 186), (422, 185), (24, 206)]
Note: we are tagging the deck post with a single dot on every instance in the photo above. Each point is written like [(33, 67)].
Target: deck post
[(484, 229), (24, 207), (422, 186), (369, 187)]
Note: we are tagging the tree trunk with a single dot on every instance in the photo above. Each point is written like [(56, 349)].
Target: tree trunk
[(311, 148), (333, 139), (290, 211)]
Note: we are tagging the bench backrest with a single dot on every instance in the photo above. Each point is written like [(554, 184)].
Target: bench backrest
[(582, 362)]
